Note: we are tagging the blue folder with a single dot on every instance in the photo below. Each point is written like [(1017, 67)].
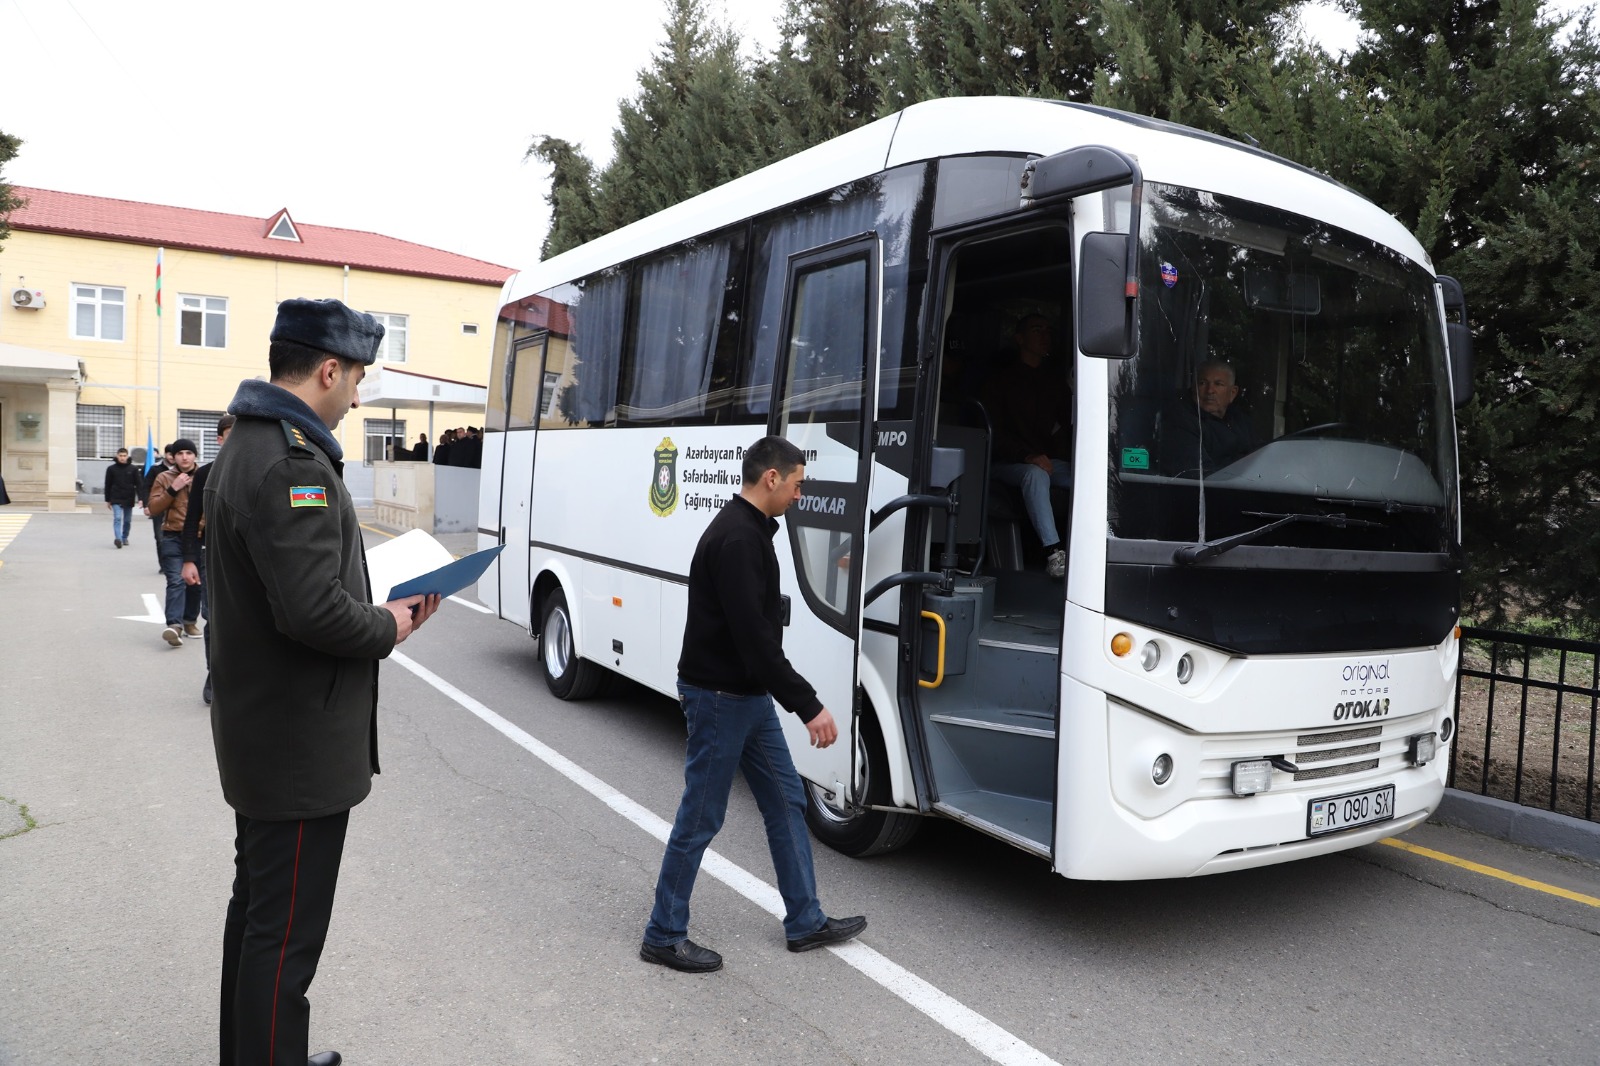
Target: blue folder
[(450, 578)]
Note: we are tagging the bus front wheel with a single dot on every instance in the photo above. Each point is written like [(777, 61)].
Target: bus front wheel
[(569, 677), (860, 833)]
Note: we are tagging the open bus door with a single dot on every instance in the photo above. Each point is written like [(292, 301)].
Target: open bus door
[(824, 399)]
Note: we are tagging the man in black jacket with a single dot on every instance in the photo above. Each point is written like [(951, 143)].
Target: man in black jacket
[(295, 647), (194, 530), (122, 492), (731, 670), (1211, 432), (166, 462)]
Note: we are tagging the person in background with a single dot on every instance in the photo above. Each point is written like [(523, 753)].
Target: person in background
[(1211, 432), (468, 449), (419, 454), (1030, 405), (156, 470), (194, 558), (122, 492), (441, 454), (169, 501)]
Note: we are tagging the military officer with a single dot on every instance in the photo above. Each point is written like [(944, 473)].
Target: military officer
[(295, 653)]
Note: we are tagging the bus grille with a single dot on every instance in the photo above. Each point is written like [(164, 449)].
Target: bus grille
[(1336, 771)]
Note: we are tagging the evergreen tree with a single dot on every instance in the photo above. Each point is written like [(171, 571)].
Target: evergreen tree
[(1186, 60), (573, 219), (1492, 130), (827, 75), (8, 200), (1048, 48), (692, 127)]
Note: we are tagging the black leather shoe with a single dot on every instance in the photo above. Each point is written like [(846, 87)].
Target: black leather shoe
[(685, 955), (325, 1058), (833, 931)]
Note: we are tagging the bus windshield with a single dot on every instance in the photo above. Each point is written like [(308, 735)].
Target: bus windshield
[(1291, 375)]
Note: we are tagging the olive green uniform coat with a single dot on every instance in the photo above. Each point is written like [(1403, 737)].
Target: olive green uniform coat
[(295, 637)]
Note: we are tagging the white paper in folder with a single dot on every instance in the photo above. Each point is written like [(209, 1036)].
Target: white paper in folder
[(397, 561)]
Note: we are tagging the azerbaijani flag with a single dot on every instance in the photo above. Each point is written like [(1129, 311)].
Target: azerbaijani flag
[(308, 496), (159, 253), (149, 448)]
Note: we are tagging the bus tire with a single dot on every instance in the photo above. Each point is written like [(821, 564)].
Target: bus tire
[(860, 833), (569, 677)]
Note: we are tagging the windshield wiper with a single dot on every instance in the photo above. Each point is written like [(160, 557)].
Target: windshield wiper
[(1386, 506), (1190, 554)]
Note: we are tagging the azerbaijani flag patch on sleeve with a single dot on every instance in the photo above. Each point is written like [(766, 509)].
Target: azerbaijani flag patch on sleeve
[(308, 496)]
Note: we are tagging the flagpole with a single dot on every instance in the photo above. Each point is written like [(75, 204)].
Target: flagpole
[(160, 252)]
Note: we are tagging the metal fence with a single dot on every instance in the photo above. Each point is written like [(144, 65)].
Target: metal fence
[(1528, 709)]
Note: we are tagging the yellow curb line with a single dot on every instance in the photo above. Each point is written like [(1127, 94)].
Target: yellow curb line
[(375, 529), (1490, 871)]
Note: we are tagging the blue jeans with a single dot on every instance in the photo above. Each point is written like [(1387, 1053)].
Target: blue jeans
[(121, 520), (1035, 488), (183, 601), (728, 733)]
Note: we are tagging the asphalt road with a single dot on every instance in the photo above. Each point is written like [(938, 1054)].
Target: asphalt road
[(495, 885)]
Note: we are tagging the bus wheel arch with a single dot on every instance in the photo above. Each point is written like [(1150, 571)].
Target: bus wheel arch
[(568, 675), (861, 833)]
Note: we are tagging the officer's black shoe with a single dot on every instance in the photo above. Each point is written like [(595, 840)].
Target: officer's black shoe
[(685, 955), (833, 931), (325, 1058), (205, 693)]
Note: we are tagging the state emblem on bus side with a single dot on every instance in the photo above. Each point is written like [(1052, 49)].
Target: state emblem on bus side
[(664, 486)]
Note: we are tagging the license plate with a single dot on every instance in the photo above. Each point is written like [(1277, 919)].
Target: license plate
[(1349, 810)]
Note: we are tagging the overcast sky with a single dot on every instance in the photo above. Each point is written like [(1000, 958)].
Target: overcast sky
[(409, 120)]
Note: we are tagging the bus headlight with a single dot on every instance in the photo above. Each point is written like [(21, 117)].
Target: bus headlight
[(1447, 730), (1422, 748), (1150, 655), (1185, 668), (1251, 776), (1161, 769)]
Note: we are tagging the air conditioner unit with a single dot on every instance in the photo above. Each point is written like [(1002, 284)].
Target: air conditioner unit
[(32, 299)]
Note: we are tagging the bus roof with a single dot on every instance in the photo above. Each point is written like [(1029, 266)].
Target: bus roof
[(1167, 153)]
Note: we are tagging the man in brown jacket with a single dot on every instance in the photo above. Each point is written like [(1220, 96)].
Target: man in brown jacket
[(169, 502), (295, 645)]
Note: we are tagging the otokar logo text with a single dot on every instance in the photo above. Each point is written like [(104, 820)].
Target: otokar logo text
[(1354, 710)]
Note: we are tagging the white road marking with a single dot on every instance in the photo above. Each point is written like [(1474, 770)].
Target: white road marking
[(985, 1036), (480, 608), (154, 611)]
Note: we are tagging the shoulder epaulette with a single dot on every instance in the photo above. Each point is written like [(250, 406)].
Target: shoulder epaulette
[(296, 438)]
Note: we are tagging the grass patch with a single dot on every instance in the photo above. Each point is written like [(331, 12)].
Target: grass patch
[(27, 819)]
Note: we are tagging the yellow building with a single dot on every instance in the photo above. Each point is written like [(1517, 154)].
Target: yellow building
[(122, 321)]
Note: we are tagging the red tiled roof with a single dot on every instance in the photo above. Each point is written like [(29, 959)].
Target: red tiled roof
[(47, 211), (539, 312)]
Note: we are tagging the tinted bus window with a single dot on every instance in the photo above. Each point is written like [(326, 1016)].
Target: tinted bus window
[(596, 310), (680, 315)]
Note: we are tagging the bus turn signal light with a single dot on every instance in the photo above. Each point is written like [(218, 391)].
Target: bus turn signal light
[(1121, 645)]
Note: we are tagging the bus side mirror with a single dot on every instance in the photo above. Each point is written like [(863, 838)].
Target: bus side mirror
[(1458, 338), (1107, 317)]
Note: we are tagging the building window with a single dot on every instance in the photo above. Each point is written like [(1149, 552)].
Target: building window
[(383, 436), (469, 329), (97, 312), (550, 382), (203, 321), (100, 431), (393, 347), (200, 427)]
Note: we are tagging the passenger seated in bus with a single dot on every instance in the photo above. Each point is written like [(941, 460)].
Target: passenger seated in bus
[(1210, 432), (1030, 407)]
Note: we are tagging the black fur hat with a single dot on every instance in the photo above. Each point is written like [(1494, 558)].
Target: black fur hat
[(329, 326)]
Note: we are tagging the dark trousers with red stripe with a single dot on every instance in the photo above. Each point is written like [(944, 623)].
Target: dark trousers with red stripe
[(284, 879)]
